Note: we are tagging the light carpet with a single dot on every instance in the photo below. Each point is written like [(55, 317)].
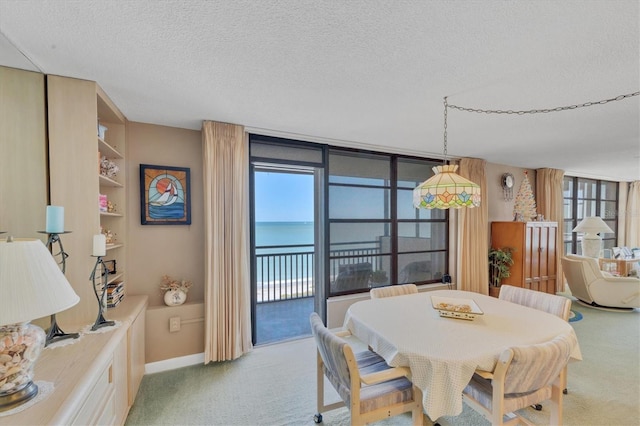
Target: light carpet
[(276, 385)]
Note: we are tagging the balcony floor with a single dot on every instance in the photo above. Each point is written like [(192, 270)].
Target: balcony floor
[(283, 320)]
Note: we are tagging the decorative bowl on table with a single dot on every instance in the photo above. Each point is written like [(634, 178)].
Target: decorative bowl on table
[(452, 307)]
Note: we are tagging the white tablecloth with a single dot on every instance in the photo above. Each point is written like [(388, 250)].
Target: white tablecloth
[(443, 353)]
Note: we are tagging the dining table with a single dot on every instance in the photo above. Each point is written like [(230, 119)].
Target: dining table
[(443, 352)]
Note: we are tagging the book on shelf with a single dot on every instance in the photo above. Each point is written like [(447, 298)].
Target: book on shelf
[(115, 293), (115, 302)]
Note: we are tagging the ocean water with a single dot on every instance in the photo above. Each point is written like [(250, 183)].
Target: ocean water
[(284, 233), (284, 270)]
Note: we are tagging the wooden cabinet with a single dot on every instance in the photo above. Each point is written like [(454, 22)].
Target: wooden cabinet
[(534, 256), (93, 378), (75, 107)]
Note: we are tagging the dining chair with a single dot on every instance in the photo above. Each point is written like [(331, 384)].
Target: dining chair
[(523, 376), (393, 290), (556, 305), (368, 387)]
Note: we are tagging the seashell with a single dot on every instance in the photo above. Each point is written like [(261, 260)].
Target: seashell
[(7, 387), (14, 370)]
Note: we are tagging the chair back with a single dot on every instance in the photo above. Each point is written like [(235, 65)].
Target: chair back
[(393, 290), (331, 350), (556, 305), (579, 276), (535, 366)]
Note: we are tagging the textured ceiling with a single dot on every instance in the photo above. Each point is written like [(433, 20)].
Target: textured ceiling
[(361, 73)]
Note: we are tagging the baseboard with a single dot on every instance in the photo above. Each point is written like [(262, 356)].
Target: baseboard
[(173, 363)]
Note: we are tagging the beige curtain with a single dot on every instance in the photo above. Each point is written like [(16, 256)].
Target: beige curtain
[(550, 203), (226, 247), (632, 229), (473, 233)]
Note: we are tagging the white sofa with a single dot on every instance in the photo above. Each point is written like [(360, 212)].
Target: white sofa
[(599, 289)]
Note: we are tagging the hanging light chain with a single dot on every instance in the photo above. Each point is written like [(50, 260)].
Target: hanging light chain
[(445, 129), (531, 111)]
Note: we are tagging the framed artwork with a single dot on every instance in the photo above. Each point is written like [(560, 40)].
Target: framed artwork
[(165, 197)]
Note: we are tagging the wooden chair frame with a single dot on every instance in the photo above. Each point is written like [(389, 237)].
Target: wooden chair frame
[(356, 381), (497, 415)]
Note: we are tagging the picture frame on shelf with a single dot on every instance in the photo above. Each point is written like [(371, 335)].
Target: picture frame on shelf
[(165, 195), (111, 266), (616, 252)]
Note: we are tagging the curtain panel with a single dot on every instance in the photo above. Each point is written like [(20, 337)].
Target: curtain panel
[(632, 216), (226, 250), (473, 233), (550, 203)]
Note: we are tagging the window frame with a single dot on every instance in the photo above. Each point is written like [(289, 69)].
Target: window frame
[(574, 199)]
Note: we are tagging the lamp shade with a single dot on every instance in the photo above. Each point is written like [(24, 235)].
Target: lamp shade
[(592, 225), (32, 284), (446, 189)]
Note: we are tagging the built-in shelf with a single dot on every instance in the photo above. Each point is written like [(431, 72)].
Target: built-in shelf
[(107, 150), (115, 277), (105, 181), (111, 214)]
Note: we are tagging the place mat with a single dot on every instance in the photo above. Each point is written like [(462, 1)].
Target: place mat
[(44, 390)]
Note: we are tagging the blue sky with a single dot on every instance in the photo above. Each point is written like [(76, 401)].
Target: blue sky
[(283, 197)]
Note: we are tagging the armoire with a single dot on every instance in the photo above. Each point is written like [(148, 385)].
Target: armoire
[(534, 247)]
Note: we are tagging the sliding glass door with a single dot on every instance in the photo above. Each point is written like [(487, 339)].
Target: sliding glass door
[(287, 244)]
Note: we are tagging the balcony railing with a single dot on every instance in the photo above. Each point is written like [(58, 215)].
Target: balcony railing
[(286, 272)]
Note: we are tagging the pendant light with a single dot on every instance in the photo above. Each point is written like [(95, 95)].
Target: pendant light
[(446, 189)]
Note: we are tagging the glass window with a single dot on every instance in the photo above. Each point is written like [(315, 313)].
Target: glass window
[(412, 173), (374, 230), (350, 238), (267, 147), (349, 275), (421, 267), (422, 236), (586, 188), (359, 169), (351, 202), (584, 198)]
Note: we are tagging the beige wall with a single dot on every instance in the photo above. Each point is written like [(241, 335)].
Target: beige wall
[(175, 250), (500, 209), (157, 250)]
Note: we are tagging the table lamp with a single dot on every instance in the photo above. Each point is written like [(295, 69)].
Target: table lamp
[(33, 286), (591, 241)]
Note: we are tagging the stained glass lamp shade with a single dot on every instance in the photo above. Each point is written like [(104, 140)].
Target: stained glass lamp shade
[(446, 189)]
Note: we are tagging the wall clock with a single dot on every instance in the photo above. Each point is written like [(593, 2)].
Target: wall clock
[(507, 186)]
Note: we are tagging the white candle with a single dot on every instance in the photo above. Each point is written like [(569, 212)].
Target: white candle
[(99, 245), (55, 220)]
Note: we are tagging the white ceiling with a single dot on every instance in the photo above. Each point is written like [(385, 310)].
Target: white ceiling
[(361, 73)]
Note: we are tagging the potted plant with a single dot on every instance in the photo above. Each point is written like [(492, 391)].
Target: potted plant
[(500, 261)]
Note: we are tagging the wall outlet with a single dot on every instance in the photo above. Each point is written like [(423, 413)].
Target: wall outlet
[(174, 324)]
